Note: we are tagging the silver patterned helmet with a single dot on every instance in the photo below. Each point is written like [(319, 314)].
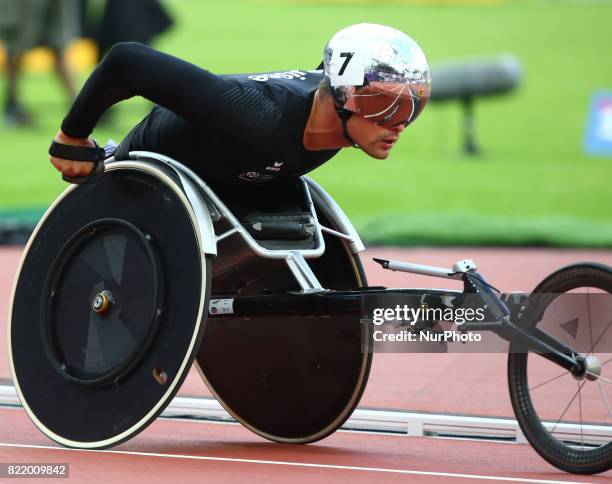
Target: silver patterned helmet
[(377, 72)]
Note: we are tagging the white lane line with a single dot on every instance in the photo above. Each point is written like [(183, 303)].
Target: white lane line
[(294, 464)]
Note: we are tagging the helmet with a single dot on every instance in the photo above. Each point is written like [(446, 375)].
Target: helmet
[(377, 72)]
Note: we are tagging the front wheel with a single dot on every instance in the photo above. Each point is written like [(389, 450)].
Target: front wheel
[(567, 418)]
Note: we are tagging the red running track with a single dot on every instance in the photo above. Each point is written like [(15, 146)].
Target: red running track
[(179, 451), (454, 383)]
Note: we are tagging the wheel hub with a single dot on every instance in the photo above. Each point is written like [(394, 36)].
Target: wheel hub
[(102, 302), (592, 366), (590, 369)]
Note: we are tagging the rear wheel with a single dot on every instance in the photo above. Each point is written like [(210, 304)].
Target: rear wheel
[(109, 306), (289, 379)]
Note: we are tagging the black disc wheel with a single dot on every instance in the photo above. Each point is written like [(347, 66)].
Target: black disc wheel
[(567, 415), (288, 379), (109, 306)]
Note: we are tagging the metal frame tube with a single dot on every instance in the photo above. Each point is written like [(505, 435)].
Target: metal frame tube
[(395, 265), (229, 216), (542, 344)]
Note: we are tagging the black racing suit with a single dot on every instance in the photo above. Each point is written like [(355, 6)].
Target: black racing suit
[(233, 130)]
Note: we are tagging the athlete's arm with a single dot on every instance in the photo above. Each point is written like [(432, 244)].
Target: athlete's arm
[(132, 69)]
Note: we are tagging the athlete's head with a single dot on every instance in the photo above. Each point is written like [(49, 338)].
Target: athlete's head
[(379, 74)]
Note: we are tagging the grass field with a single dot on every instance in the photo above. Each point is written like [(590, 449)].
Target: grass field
[(532, 184)]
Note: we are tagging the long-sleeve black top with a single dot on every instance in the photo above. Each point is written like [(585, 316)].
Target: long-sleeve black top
[(231, 129)]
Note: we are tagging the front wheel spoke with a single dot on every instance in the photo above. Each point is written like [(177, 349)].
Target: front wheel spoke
[(599, 377), (605, 399), (590, 325), (568, 406), (600, 336), (554, 304), (549, 380), (606, 362), (580, 410)]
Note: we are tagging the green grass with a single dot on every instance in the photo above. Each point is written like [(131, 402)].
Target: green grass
[(532, 184)]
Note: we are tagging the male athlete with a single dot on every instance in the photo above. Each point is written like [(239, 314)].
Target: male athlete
[(251, 129)]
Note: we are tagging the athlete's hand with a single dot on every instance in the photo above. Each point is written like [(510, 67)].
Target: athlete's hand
[(68, 167)]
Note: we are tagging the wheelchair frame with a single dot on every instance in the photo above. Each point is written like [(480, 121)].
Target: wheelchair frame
[(464, 270), (270, 296)]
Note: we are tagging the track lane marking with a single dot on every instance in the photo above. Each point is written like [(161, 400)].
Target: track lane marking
[(295, 464)]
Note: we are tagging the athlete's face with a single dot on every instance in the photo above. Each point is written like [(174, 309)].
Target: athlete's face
[(377, 141)]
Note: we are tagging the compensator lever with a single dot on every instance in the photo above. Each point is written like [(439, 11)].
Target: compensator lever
[(457, 271)]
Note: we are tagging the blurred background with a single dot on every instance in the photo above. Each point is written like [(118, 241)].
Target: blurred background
[(530, 183)]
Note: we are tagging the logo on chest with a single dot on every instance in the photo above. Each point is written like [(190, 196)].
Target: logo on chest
[(255, 176), (275, 167)]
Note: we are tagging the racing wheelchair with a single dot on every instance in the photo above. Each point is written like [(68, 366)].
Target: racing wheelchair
[(129, 279)]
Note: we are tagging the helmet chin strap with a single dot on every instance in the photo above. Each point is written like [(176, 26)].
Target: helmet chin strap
[(344, 115)]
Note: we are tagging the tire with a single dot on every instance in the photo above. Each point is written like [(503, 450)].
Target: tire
[(564, 451)]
